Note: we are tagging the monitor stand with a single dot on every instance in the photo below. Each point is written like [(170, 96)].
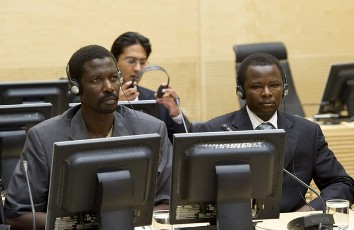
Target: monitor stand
[(115, 199), (233, 205)]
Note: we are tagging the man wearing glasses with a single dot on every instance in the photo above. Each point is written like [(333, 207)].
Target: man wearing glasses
[(132, 51)]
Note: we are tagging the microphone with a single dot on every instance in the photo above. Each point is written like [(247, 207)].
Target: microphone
[(25, 166), (177, 101), (308, 187), (225, 127), (321, 220)]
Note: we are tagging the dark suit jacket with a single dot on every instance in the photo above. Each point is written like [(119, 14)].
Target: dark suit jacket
[(306, 155), (163, 114)]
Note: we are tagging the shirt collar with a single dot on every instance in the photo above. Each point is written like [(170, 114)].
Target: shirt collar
[(255, 120)]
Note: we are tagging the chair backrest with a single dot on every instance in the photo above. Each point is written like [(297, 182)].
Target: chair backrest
[(278, 50)]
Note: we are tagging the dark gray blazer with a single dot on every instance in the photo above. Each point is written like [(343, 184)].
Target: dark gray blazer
[(70, 126), (306, 153)]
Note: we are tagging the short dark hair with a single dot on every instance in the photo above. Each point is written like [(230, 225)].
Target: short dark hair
[(257, 59), (83, 55), (128, 39)]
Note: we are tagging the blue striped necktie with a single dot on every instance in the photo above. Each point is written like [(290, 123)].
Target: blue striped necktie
[(265, 125)]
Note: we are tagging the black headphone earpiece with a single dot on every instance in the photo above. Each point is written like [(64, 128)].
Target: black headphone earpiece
[(120, 76), (159, 92), (240, 91), (285, 85), (74, 85)]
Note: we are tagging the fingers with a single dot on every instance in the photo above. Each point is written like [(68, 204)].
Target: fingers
[(128, 93), (169, 92)]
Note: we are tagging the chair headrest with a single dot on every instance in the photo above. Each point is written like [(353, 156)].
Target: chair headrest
[(277, 49)]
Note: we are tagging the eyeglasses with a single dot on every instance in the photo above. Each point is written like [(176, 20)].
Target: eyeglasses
[(134, 61)]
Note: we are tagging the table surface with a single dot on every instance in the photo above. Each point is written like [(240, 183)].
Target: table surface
[(285, 218), (271, 224)]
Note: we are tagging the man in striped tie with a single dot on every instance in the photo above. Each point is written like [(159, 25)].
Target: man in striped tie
[(262, 83)]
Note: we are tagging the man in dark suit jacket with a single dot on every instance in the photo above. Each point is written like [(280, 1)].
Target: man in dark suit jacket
[(132, 51), (262, 82)]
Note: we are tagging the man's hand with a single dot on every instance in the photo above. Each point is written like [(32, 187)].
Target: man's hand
[(168, 100), (128, 93), (305, 208)]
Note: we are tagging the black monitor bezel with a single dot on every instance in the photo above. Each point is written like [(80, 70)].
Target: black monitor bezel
[(23, 116), (63, 150), (333, 101), (15, 120), (15, 92), (186, 140)]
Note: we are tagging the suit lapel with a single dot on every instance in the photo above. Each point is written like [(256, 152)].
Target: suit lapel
[(241, 121), (78, 130), (291, 139)]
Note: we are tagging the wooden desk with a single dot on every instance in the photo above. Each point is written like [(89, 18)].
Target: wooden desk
[(340, 140), (282, 222)]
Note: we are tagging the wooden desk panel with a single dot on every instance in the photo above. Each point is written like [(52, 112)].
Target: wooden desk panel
[(340, 139)]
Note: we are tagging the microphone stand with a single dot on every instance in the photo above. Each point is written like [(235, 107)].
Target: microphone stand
[(25, 166), (322, 220), (308, 187)]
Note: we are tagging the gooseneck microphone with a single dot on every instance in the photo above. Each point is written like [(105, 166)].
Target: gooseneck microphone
[(177, 101), (25, 166), (321, 221), (308, 187)]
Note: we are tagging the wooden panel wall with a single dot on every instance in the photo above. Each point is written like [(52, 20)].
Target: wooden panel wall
[(192, 39)]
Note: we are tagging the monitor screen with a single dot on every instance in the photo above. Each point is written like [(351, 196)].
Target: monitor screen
[(228, 178), (54, 92), (93, 180), (145, 106), (338, 97), (15, 120)]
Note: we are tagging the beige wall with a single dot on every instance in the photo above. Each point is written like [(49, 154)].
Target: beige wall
[(191, 39)]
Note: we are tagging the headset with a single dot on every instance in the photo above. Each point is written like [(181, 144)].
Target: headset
[(151, 68), (240, 91), (74, 84)]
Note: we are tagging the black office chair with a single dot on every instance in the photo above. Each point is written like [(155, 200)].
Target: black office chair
[(277, 49)]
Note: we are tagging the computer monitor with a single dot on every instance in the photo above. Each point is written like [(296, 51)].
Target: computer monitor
[(53, 91), (228, 178), (103, 182), (145, 106), (338, 97), (15, 120)]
